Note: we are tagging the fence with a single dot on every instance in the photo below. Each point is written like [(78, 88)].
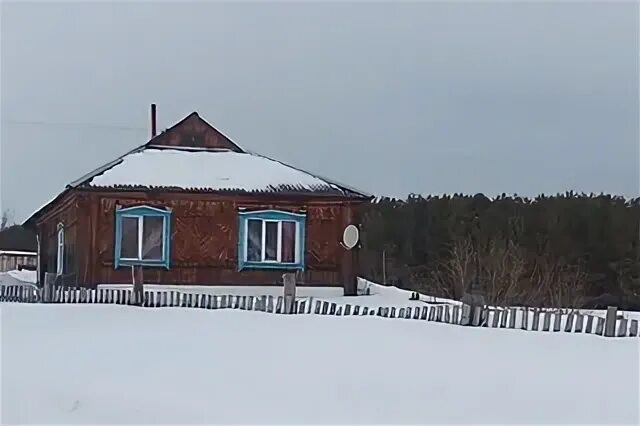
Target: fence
[(530, 319)]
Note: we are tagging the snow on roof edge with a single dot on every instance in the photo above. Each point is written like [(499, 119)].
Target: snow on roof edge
[(331, 182), (18, 253)]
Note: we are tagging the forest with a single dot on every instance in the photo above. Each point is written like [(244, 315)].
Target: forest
[(569, 250)]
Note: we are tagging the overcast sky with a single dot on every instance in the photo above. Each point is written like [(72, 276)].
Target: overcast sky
[(393, 98)]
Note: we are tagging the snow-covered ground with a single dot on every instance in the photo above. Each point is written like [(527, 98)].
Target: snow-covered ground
[(107, 364), (16, 277)]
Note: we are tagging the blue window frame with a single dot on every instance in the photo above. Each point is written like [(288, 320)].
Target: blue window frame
[(271, 239), (143, 237)]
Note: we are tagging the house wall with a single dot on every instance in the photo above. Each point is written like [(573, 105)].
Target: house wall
[(68, 212), (204, 241), (10, 262)]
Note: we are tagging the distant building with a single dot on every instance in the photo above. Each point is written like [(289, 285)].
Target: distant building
[(18, 248), (191, 207)]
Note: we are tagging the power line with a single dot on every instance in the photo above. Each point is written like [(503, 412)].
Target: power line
[(76, 124)]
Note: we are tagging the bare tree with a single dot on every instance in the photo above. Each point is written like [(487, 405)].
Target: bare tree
[(6, 219), (450, 276), (556, 284), (502, 269)]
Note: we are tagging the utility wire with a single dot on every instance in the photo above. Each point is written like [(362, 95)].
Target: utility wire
[(70, 124)]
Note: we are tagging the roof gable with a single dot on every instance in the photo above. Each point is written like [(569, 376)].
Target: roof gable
[(194, 132)]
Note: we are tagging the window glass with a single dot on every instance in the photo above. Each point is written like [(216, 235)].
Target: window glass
[(152, 237), (129, 243), (254, 240), (271, 241), (60, 253), (288, 242)]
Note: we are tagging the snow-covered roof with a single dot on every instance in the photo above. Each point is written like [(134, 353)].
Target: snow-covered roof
[(209, 171), (194, 156), (17, 253)]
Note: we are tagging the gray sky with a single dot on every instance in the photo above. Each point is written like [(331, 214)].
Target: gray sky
[(393, 98)]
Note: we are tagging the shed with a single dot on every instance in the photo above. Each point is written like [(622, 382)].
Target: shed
[(191, 207), (18, 248)]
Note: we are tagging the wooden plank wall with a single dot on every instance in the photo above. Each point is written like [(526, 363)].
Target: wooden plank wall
[(10, 262), (204, 239)]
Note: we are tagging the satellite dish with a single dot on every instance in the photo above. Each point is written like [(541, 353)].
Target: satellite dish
[(350, 236)]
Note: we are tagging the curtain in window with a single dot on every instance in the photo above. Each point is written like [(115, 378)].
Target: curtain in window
[(271, 241), (254, 240), (129, 243), (152, 231), (288, 242)]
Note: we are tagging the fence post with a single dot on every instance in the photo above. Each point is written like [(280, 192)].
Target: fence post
[(610, 321), (425, 312), (347, 309), (356, 310), (466, 314), (546, 321), (579, 322), (557, 321), (589, 328), (332, 310), (622, 327), (484, 322), (289, 280), (504, 316), (600, 326), (568, 327), (633, 329), (524, 325)]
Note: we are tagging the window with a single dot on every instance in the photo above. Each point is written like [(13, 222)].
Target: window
[(271, 240), (60, 250), (142, 236)]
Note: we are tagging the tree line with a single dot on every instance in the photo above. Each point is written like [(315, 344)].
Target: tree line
[(568, 250)]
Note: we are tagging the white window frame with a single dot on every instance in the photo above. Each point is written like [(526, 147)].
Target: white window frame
[(141, 237), (60, 250), (263, 253)]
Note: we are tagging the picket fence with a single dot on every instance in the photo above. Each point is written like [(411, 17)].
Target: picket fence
[(530, 319)]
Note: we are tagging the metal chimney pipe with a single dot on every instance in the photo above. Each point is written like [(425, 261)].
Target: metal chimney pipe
[(153, 121)]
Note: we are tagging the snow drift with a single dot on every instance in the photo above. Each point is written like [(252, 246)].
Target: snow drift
[(117, 364)]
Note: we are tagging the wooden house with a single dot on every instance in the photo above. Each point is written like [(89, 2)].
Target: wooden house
[(191, 207), (18, 248)]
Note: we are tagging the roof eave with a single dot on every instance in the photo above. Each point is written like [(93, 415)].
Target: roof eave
[(266, 192)]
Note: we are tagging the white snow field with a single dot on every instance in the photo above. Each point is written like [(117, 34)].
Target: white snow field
[(109, 364)]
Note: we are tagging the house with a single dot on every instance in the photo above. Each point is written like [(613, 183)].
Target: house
[(191, 207), (18, 248)]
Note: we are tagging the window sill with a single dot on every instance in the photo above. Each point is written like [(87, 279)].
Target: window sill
[(270, 266), (150, 263)]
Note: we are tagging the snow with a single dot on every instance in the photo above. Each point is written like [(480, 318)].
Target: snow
[(107, 364), (17, 253), (16, 277), (224, 170), (24, 275)]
